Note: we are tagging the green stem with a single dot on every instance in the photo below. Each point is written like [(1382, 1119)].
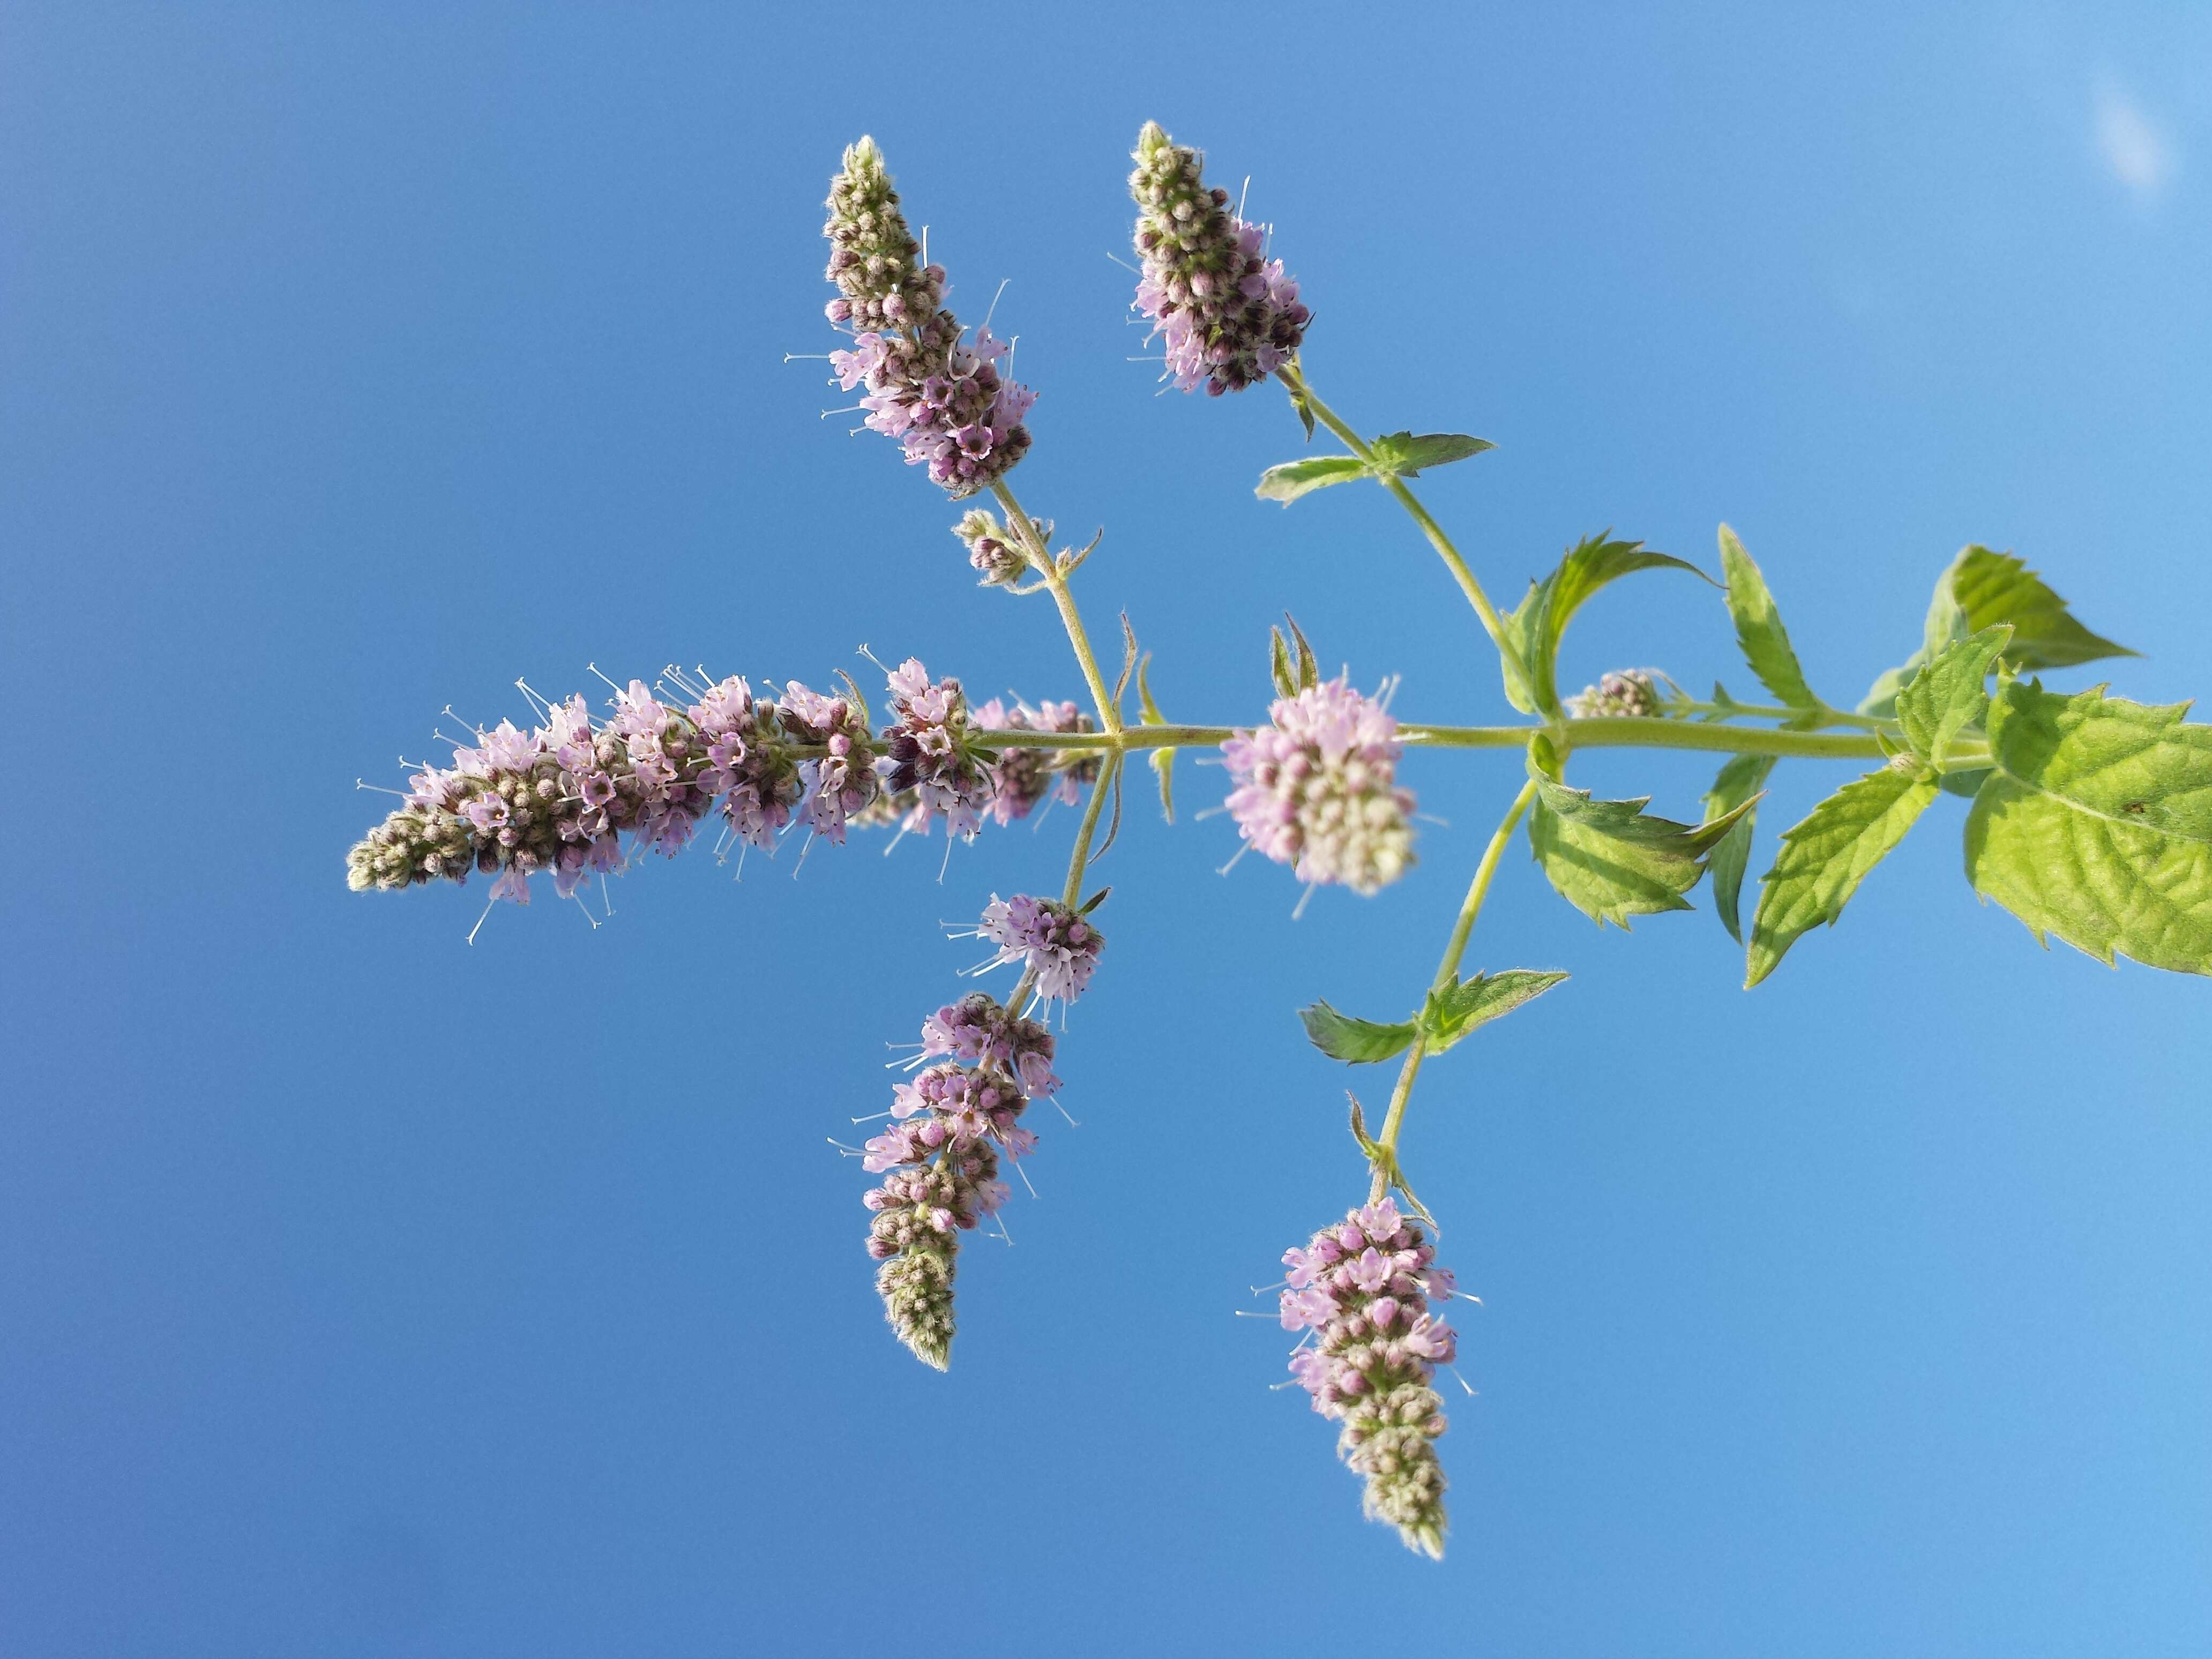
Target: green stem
[(1470, 909), (1621, 731), (1492, 623), (1109, 713)]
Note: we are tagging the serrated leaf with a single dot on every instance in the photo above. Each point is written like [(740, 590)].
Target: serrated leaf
[(1758, 629), (1539, 622), (1355, 1042), (1991, 587), (1824, 859), (1946, 694), (2095, 825), (1292, 479), (1469, 1004), (1980, 589), (1738, 785), (1403, 454), (1611, 861)]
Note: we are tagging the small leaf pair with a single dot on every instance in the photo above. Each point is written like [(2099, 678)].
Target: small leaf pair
[(1397, 455), (1447, 1016)]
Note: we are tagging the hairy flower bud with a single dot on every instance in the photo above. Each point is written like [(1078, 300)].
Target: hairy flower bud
[(1626, 691), (991, 550), (1227, 315), (1316, 788), (1362, 1288), (940, 394)]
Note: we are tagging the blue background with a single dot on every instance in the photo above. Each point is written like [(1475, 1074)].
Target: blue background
[(362, 1292)]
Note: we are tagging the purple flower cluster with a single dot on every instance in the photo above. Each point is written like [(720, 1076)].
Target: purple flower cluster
[(1362, 1288), (1316, 788), (939, 1159), (1227, 315), (1022, 778), (1627, 691), (1054, 943), (839, 782), (933, 753), (561, 796), (940, 394)]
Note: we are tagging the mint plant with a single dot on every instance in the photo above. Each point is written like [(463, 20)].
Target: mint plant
[(2091, 817)]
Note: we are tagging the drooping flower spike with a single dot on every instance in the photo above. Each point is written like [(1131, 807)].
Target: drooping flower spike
[(1362, 1288), (939, 392), (1226, 313), (1316, 788), (940, 1160)]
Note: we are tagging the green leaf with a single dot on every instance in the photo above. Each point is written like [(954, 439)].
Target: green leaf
[(1758, 629), (1541, 620), (1824, 859), (1980, 589), (1990, 588), (1355, 1042), (1280, 668), (1308, 668), (1738, 785), (1946, 695), (1403, 454), (1468, 1004), (1610, 861), (1292, 479), (1161, 760), (2096, 824)]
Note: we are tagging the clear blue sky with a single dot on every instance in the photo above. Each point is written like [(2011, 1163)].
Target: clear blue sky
[(364, 1293)]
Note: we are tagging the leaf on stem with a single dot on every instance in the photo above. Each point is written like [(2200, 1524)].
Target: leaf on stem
[(1538, 624), (1980, 589), (1946, 695), (1355, 1042), (1824, 859), (1301, 405), (2095, 825), (1737, 787), (1163, 758), (1467, 1005), (1758, 629), (1611, 861), (1291, 662), (1403, 454), (1292, 479)]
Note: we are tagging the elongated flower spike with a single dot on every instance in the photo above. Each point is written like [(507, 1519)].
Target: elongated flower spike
[(1226, 314), (562, 796), (1316, 788), (1362, 1288), (940, 1160), (937, 391)]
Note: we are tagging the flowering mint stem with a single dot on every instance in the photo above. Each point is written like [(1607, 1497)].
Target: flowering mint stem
[(1470, 907), (1617, 732), (1109, 713), (1492, 623)]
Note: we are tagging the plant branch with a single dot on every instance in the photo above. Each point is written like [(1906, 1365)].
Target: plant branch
[(1386, 1170), (1492, 623), (1109, 712)]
